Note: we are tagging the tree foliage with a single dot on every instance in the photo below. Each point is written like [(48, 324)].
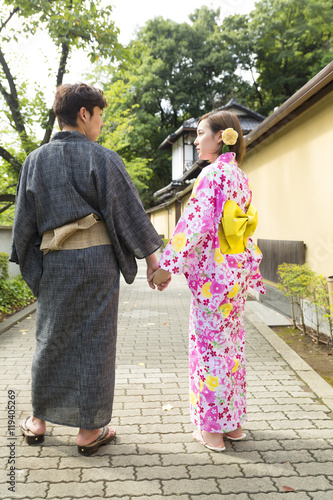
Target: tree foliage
[(69, 24), (172, 71)]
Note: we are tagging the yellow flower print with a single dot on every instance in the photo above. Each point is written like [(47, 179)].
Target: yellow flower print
[(205, 290), (235, 368), (225, 309), (212, 382), (234, 291), (201, 385), (178, 242), (218, 256), (194, 190), (193, 398)]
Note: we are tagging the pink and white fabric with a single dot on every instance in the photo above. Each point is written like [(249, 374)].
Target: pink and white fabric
[(219, 285)]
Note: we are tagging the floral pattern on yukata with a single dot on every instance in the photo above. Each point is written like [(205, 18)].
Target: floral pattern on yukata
[(219, 285)]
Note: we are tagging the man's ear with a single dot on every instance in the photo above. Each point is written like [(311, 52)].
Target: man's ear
[(83, 114)]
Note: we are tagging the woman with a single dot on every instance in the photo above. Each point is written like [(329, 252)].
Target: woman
[(211, 245), (76, 225)]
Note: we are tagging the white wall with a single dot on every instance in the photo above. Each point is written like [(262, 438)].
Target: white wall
[(5, 246), (177, 159)]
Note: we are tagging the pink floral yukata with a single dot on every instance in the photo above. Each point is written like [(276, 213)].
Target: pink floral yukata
[(219, 284)]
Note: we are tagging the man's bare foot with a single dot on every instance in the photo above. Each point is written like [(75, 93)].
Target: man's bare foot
[(87, 436), (36, 425)]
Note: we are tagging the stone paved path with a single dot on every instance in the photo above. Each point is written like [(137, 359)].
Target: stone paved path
[(290, 429)]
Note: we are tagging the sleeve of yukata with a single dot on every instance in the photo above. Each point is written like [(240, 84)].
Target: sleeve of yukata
[(194, 248), (131, 232), (26, 240)]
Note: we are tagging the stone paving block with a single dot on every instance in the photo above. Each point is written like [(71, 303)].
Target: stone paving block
[(213, 471), (306, 484), (152, 448), (29, 490), (236, 457), (133, 488), (162, 472), (310, 415), (135, 460), (77, 490), (314, 469), (187, 459), (26, 463), (161, 428), (292, 456), (270, 416), (315, 433), (169, 497), (324, 455), (279, 434), (108, 474), (138, 438), (83, 462), (267, 470), (292, 424), (321, 495), (247, 485), (254, 445), (190, 486), (306, 444), (280, 496), (53, 475)]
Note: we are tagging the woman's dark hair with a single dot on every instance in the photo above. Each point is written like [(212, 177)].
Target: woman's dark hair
[(220, 120), (69, 99)]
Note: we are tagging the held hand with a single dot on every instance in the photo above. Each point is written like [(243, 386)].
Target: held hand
[(161, 278)]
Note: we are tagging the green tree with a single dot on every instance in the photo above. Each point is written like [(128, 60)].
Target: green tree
[(282, 44), (69, 24), (175, 71)]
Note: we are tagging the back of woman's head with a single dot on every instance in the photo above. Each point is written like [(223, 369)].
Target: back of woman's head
[(221, 120), (70, 98)]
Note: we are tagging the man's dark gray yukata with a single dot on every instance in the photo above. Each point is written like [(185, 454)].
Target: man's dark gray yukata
[(77, 290)]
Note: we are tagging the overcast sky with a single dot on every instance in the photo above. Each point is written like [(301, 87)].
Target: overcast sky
[(128, 17)]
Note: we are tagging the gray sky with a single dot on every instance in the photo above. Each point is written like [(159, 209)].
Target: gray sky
[(35, 57)]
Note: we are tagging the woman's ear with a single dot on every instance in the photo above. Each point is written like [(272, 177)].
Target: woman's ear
[(219, 136)]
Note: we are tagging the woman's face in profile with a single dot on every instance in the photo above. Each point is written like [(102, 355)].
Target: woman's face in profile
[(207, 143)]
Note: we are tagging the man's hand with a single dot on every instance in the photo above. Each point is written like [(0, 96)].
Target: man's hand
[(161, 278)]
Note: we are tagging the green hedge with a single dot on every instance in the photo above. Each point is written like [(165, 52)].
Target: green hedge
[(14, 293)]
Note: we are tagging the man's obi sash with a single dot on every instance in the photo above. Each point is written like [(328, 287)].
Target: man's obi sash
[(236, 227)]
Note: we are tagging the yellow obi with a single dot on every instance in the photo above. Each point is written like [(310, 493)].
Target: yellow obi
[(236, 227)]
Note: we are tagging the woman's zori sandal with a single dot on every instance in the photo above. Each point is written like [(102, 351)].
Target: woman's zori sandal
[(197, 435), (104, 438), (29, 436)]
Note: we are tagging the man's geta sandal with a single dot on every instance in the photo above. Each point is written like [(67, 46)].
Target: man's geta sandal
[(29, 436), (105, 438)]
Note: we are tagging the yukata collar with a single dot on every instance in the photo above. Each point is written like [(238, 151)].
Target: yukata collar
[(59, 136), (227, 157)]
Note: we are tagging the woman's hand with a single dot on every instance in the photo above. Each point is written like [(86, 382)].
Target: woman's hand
[(161, 278)]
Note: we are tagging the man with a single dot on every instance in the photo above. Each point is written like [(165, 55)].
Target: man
[(78, 222)]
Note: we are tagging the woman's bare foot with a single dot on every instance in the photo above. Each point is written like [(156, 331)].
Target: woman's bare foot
[(237, 433), (36, 425), (87, 436), (214, 441)]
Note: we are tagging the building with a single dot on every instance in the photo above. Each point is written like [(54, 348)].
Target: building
[(289, 162)]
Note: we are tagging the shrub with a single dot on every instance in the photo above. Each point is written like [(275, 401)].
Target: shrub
[(14, 293)]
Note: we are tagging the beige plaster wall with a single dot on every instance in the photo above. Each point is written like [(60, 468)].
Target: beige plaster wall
[(292, 179), (159, 219)]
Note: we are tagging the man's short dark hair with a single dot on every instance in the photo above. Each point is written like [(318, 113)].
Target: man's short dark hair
[(69, 99)]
